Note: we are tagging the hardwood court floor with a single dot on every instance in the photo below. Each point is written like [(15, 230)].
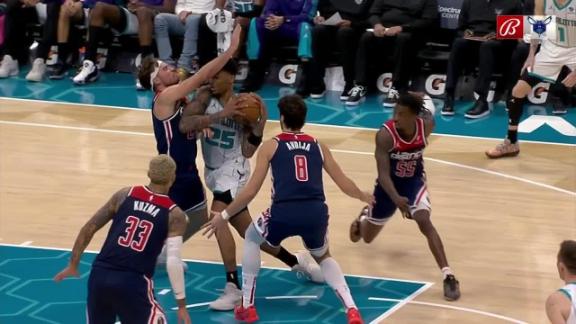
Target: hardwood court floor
[(501, 221)]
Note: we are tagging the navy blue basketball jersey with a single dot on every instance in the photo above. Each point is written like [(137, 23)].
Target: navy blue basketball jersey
[(297, 168), (138, 232), (169, 140), (406, 157)]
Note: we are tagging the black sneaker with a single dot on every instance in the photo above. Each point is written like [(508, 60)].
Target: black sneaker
[(58, 72), (448, 109), (479, 110), (391, 98), (346, 92), (357, 94), (318, 92), (451, 288)]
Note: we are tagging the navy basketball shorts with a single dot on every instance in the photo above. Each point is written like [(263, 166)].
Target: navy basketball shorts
[(307, 219), (126, 295), (188, 193), (414, 189)]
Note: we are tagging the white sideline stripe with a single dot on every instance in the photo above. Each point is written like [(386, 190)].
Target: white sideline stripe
[(458, 308), (83, 105), (26, 243), (291, 297), (495, 173), (164, 291), (194, 305), (401, 303)]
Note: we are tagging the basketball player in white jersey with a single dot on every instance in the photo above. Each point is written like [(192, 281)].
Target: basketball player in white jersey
[(561, 305), (226, 148), (546, 65)]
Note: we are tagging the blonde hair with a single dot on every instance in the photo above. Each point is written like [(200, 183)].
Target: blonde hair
[(162, 169)]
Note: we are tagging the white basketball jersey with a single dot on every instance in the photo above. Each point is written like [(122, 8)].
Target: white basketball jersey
[(565, 16), (570, 290), (226, 142)]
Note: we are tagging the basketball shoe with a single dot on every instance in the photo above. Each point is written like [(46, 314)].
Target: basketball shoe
[(356, 95), (354, 316), (88, 73), (231, 297), (391, 98), (346, 92), (38, 70), (8, 67), (451, 288), (246, 315), (308, 267), (504, 149)]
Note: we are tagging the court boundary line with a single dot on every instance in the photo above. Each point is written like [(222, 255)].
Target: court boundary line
[(401, 303), (84, 105), (463, 166), (40, 247), (457, 308)]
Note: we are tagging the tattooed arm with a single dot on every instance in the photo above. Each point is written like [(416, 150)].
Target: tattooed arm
[(102, 216)]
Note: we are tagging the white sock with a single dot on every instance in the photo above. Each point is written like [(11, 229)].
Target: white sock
[(335, 278), (446, 271), (250, 265)]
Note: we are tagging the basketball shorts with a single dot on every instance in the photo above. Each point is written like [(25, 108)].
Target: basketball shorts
[(307, 219), (231, 176), (188, 193), (550, 60), (416, 192), (131, 27), (123, 294)]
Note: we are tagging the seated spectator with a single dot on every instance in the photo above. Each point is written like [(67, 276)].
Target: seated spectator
[(400, 28), (136, 18), (18, 14), (327, 39), (243, 11), (185, 23), (283, 22), (476, 41)]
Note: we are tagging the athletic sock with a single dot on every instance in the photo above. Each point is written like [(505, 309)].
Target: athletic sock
[(335, 278)]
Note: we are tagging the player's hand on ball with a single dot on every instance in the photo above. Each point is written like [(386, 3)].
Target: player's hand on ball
[(233, 107), (69, 271), (215, 223)]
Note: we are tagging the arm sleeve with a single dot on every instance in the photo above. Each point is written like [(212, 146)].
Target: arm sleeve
[(174, 266)]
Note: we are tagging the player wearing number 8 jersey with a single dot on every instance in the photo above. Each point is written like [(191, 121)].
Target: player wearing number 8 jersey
[(143, 218), (298, 205), (401, 182)]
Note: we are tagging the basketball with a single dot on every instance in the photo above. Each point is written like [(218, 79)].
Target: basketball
[(251, 108)]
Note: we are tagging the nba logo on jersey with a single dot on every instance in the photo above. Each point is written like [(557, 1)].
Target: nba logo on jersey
[(509, 27)]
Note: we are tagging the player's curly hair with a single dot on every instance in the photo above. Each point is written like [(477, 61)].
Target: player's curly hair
[(413, 101), (567, 255), (162, 169), (146, 68)]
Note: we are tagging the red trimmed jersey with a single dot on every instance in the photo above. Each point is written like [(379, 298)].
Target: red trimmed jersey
[(406, 157), (138, 232), (297, 168)]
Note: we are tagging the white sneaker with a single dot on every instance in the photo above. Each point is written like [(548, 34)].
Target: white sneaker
[(308, 267), (231, 297), (89, 73), (8, 67), (36, 74)]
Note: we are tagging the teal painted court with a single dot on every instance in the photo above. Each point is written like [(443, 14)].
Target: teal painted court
[(28, 295)]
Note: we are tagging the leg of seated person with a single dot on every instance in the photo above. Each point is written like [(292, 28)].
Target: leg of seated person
[(190, 46), (166, 24), (267, 40), (15, 41), (462, 51), (145, 17), (323, 44), (50, 28), (368, 47), (348, 38), (404, 56), (207, 49)]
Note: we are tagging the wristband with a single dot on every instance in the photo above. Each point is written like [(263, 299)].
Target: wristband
[(225, 215), (254, 140)]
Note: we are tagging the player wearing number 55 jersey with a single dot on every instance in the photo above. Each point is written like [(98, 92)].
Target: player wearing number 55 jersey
[(298, 205), (401, 182), (143, 219)]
